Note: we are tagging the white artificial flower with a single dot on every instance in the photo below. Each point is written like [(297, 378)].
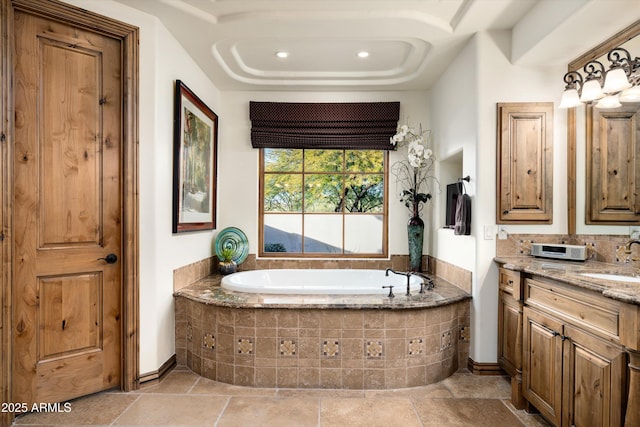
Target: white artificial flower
[(414, 160), (404, 129), (415, 155), (428, 153), (398, 137), (416, 149)]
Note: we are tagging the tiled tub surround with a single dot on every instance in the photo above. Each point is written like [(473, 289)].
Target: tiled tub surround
[(191, 273), (302, 341)]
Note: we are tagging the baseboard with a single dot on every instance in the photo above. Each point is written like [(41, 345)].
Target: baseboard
[(477, 368), (154, 377)]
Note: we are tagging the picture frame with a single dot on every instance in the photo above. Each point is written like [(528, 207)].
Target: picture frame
[(195, 141)]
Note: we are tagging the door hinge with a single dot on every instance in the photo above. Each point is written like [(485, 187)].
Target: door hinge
[(2, 137), (1, 237)]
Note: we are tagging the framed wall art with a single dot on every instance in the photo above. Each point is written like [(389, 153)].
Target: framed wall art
[(195, 138)]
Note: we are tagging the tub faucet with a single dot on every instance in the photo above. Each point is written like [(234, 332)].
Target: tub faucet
[(427, 281), (399, 273)]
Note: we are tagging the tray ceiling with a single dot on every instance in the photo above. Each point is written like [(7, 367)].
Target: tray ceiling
[(409, 43)]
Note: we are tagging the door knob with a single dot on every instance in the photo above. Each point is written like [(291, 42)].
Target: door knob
[(110, 259)]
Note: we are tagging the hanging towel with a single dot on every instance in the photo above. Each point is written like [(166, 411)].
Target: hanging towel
[(462, 225)]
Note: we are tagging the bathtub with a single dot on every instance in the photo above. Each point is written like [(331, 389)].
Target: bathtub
[(321, 329), (319, 282)]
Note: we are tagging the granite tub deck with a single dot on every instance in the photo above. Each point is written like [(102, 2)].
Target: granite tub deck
[(316, 341), (571, 272)]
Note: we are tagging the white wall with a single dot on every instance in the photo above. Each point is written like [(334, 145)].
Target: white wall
[(463, 116), (453, 106), (162, 60), (238, 167)]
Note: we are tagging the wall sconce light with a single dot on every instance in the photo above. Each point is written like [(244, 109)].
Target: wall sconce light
[(620, 83)]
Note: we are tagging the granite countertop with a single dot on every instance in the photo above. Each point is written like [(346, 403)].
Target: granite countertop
[(570, 272), (208, 291)]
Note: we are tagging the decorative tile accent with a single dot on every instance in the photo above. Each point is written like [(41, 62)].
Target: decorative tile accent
[(621, 255), (245, 346), (189, 331), (591, 249), (287, 348), (445, 340), (374, 348), (209, 341), (465, 333), (525, 247), (416, 346), (331, 348)]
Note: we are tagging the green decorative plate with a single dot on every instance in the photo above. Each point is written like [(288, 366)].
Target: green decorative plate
[(234, 238)]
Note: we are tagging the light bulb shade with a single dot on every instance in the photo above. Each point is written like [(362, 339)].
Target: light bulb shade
[(630, 95), (591, 91), (615, 81), (610, 101), (569, 99)]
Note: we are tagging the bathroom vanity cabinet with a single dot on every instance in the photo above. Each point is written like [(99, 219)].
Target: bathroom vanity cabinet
[(575, 350), (510, 331), (574, 365)]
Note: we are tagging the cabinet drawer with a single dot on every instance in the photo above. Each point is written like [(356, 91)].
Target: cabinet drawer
[(509, 282), (579, 307)]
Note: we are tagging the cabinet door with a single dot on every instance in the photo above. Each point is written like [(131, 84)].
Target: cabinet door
[(542, 364), (509, 334), (594, 385), (613, 162), (525, 163)]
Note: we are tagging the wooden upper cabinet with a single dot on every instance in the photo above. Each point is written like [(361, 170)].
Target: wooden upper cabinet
[(613, 162), (525, 163)]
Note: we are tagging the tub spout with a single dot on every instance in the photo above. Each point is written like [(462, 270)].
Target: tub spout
[(399, 273)]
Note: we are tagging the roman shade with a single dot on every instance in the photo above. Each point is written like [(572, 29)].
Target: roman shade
[(349, 125)]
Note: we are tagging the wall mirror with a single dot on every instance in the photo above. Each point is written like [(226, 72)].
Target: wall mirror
[(580, 132)]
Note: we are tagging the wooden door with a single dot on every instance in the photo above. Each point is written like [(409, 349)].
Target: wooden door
[(595, 371), (66, 297), (542, 364)]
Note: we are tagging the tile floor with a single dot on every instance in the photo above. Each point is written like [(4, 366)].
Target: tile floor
[(185, 399)]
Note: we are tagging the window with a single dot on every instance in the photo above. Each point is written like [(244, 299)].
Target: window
[(323, 203)]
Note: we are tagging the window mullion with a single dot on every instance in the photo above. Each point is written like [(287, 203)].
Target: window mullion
[(344, 196), (304, 209)]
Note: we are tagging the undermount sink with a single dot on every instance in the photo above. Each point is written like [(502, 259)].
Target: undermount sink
[(617, 277)]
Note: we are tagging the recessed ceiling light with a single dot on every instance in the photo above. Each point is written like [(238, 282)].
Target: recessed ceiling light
[(363, 54), (282, 54)]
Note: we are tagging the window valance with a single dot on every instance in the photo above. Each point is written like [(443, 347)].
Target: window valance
[(348, 125)]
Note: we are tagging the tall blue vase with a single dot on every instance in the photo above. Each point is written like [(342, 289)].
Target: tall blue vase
[(415, 230)]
